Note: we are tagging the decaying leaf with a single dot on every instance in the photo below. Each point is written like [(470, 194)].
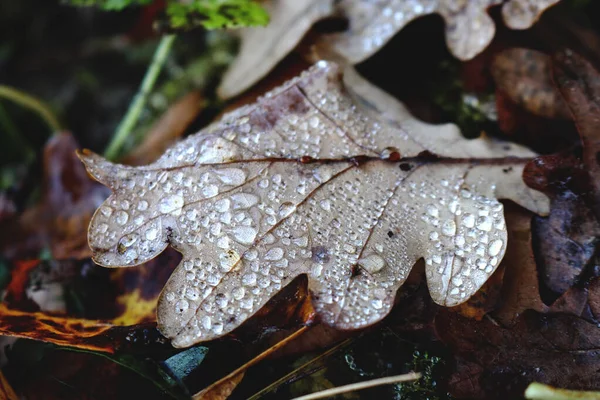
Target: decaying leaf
[(320, 178), (526, 77), (371, 24), (495, 362)]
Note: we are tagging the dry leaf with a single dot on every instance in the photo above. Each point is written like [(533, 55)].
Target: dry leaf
[(371, 24), (263, 48), (526, 77), (305, 181)]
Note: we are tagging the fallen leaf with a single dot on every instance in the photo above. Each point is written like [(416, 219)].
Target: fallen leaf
[(520, 290), (336, 182), (371, 24), (497, 362), (579, 84), (525, 76), (566, 240), (261, 49)]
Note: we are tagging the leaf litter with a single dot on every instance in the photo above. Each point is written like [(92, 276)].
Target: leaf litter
[(487, 372)]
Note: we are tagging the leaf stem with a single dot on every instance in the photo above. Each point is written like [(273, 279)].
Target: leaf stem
[(411, 376), (33, 103), (137, 105)]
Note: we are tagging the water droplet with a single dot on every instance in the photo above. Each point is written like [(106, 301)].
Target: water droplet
[(372, 263), (244, 234), (121, 217), (459, 240), (274, 254), (495, 247), (210, 191), (151, 233), (231, 176), (433, 235), (243, 200), (314, 122), (484, 223), (222, 205), (301, 241), (170, 296), (224, 242), (286, 209), (192, 293), (181, 306), (171, 205), (432, 210), (249, 279), (128, 240), (449, 228), (468, 220), (142, 205), (102, 228), (325, 205), (238, 293)]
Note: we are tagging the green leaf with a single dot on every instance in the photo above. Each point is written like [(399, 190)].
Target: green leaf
[(216, 14), (209, 14), (108, 5)]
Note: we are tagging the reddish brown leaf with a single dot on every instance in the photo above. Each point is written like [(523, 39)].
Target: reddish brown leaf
[(579, 84), (494, 362)]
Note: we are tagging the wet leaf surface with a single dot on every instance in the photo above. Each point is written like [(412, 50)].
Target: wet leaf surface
[(221, 195), (368, 26)]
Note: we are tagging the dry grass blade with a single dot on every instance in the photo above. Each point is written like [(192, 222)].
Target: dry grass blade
[(217, 387), (411, 376)]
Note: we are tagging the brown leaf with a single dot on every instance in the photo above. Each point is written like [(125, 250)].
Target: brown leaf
[(371, 24), (75, 332), (594, 298), (60, 220), (520, 291), (255, 200), (579, 84), (525, 76), (167, 130), (496, 362), (566, 240)]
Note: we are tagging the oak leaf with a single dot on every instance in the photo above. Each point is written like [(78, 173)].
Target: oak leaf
[(321, 177), (371, 24)]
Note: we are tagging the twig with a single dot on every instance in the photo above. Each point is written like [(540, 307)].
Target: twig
[(136, 107), (255, 360), (34, 104), (411, 376), (287, 377)]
